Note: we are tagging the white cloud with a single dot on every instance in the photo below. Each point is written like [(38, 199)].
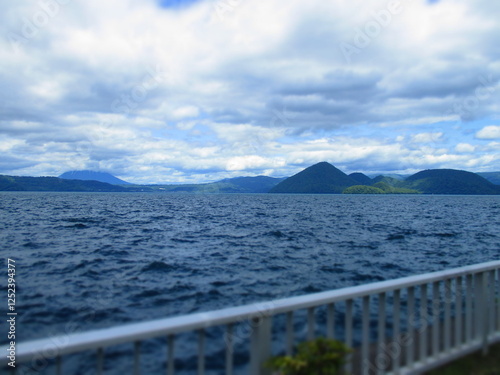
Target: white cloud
[(157, 95), (186, 112), (426, 137), (489, 132), (465, 148)]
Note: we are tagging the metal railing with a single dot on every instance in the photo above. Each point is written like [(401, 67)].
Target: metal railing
[(401, 326)]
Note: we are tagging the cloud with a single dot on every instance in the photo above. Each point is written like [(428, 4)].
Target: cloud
[(465, 148), (426, 137), (489, 132), (160, 91)]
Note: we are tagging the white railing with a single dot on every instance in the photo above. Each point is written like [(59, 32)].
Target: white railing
[(402, 326)]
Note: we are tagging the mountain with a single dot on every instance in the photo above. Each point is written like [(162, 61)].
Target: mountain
[(388, 180), (246, 185), (392, 175), (362, 189), (450, 181), (361, 178), (14, 183), (93, 176), (493, 177), (321, 178), (259, 184)]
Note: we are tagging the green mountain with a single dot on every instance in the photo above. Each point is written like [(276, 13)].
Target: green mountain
[(14, 183), (326, 179), (246, 185), (392, 181), (259, 184), (392, 175), (382, 187), (93, 176), (321, 178), (362, 189), (361, 178), (450, 181)]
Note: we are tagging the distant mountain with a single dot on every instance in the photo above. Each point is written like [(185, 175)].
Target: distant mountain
[(13, 183), (93, 176), (493, 177), (321, 178), (361, 178), (362, 189), (246, 185), (325, 178), (392, 175), (450, 181), (388, 180), (259, 184)]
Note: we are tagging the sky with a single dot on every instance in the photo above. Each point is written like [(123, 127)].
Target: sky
[(186, 91)]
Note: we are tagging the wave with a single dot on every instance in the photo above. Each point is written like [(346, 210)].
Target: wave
[(158, 266)]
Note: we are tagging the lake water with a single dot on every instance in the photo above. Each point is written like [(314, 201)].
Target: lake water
[(99, 260)]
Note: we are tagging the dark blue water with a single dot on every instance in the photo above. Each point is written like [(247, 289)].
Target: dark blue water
[(100, 260)]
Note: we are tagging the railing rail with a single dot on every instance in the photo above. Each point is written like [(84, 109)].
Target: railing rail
[(461, 314)]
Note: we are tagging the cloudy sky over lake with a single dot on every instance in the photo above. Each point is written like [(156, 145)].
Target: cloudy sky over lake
[(193, 91)]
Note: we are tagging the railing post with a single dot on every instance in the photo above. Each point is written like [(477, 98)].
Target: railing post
[(478, 306), (447, 315), (58, 365), (330, 321), (289, 333), (381, 367), (425, 323), (496, 281), (100, 361), (137, 358), (396, 328), (491, 302), (310, 323), (436, 316), (458, 312), (348, 333), (468, 309), (410, 348), (170, 355), (485, 308), (260, 345), (365, 344), (229, 349)]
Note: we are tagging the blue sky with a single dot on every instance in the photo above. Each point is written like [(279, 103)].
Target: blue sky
[(176, 3), (174, 91)]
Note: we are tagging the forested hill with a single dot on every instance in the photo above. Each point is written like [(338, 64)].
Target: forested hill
[(14, 183), (321, 178), (324, 178), (450, 181)]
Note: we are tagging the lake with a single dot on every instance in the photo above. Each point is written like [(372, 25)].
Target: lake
[(103, 259)]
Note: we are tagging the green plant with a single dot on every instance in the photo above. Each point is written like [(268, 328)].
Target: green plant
[(318, 357)]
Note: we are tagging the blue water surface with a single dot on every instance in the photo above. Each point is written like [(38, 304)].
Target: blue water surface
[(96, 260)]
